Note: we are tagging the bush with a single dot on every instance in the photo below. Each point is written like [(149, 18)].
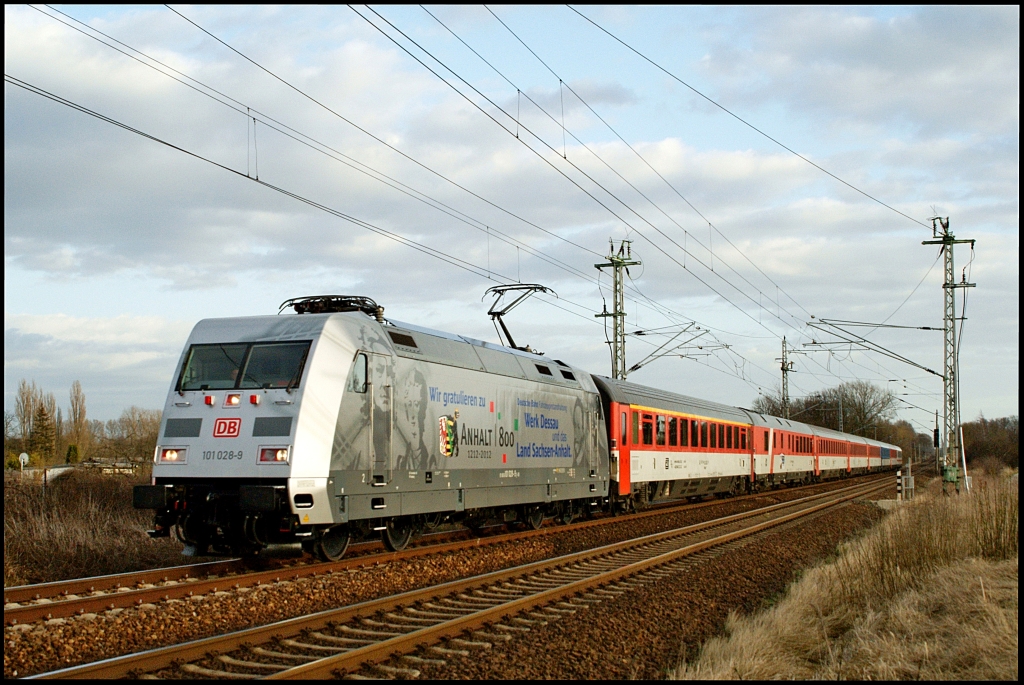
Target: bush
[(83, 525)]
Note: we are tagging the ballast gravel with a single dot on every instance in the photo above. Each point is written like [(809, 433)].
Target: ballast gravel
[(644, 633), (38, 647)]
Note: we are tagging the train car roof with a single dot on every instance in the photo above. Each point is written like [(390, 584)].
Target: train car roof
[(441, 347), (631, 393)]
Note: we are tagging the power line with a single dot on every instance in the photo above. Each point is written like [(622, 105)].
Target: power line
[(489, 116), (437, 254), (321, 207), (376, 138), (385, 143), (610, 167), (519, 125), (547, 161), (744, 121), (644, 160), (346, 160)]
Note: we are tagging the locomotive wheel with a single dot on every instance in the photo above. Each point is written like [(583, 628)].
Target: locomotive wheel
[(397, 533), (191, 534), (568, 513), (331, 544), (535, 518)]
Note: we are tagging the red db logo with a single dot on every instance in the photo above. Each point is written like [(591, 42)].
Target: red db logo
[(227, 428)]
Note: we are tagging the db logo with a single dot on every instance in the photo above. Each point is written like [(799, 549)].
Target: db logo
[(227, 428)]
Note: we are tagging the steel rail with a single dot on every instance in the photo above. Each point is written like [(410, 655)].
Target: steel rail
[(163, 657), (26, 593), (355, 659), (59, 599)]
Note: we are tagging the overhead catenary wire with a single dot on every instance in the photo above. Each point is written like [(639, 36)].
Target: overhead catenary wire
[(424, 166), (375, 137), (635, 152), (325, 149), (446, 67), (391, 235), (611, 168), (547, 161), (744, 121)]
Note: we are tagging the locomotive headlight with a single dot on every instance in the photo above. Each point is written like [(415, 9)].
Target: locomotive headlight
[(172, 455), (233, 400), (274, 455)]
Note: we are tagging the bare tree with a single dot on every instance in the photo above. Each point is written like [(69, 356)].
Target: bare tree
[(11, 441), (25, 402), (78, 430), (768, 404), (859, 407), (130, 437)]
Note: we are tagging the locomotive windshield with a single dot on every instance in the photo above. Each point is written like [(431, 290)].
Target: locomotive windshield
[(242, 365)]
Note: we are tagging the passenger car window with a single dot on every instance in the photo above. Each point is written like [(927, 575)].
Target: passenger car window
[(660, 433), (624, 428), (703, 433), (673, 431), (648, 432), (714, 436), (636, 428)]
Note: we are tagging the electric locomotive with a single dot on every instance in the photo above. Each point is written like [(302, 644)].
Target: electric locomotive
[(335, 423)]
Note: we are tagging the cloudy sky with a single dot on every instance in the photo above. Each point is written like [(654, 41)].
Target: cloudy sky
[(457, 149)]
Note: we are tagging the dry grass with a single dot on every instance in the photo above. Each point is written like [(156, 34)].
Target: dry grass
[(930, 593), (84, 526)]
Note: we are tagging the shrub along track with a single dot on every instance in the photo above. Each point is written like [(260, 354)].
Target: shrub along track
[(465, 615), (204, 612)]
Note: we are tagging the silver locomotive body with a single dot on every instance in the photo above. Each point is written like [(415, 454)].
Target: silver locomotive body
[(323, 427)]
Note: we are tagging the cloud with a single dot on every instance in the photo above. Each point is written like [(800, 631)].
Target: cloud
[(119, 360), (937, 70)]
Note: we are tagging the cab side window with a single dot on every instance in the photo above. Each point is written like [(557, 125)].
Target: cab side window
[(359, 373)]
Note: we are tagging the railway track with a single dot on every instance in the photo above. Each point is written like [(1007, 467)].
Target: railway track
[(427, 625), (64, 599)]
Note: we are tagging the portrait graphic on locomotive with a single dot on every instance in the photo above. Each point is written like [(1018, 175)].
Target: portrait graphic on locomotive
[(333, 424)]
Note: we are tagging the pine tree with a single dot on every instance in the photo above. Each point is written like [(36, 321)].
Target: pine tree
[(42, 438)]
